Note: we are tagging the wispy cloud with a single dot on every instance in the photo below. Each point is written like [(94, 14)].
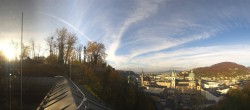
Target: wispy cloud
[(142, 11), (142, 33), (187, 58), (166, 27), (68, 24)]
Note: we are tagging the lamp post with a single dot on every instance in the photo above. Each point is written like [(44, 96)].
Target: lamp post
[(10, 78), (21, 64), (70, 68)]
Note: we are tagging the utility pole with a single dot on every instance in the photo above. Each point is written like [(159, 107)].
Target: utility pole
[(10, 78), (70, 68), (22, 64)]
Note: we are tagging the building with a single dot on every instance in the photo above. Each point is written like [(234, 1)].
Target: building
[(211, 84), (182, 84), (185, 85), (212, 94), (131, 78), (145, 81)]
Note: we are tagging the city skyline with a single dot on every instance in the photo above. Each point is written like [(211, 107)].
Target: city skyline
[(153, 35)]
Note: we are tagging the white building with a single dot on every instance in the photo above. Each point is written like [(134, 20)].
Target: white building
[(212, 95), (211, 85)]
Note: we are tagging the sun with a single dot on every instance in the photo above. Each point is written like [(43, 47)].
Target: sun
[(9, 52)]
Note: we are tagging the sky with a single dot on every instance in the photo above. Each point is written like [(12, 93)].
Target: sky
[(154, 35)]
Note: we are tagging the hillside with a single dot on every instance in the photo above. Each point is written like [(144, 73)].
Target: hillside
[(228, 69), (125, 74)]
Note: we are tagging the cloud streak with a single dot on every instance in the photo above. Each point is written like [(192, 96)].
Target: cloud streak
[(142, 11), (187, 58), (144, 33), (167, 27), (68, 24)]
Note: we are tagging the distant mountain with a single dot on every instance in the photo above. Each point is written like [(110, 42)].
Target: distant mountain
[(248, 67), (228, 69), (159, 72)]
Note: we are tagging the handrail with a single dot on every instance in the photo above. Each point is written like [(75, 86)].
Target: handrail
[(78, 89)]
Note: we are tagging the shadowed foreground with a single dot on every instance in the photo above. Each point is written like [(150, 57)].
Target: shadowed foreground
[(34, 90)]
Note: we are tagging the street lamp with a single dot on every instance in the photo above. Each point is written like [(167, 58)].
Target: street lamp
[(10, 78), (70, 68)]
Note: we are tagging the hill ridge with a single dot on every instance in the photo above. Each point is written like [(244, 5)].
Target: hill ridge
[(227, 69)]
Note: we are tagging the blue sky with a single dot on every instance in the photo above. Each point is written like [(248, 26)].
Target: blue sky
[(156, 35)]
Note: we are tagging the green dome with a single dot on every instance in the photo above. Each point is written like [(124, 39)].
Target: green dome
[(191, 75)]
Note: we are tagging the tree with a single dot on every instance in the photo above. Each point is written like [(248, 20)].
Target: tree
[(2, 58), (51, 59), (79, 52), (236, 99), (61, 38), (96, 52), (25, 51), (51, 43), (70, 41), (85, 54), (62, 45), (32, 45), (16, 47), (38, 48)]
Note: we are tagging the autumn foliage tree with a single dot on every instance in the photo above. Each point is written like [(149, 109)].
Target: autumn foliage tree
[(109, 86), (79, 49), (61, 46), (236, 99), (70, 42), (61, 38), (96, 52)]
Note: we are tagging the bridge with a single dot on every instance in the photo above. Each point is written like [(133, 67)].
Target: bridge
[(66, 95)]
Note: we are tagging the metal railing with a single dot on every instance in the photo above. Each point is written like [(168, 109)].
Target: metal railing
[(84, 97), (85, 101)]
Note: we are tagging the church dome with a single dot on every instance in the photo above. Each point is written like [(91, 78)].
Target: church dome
[(191, 75)]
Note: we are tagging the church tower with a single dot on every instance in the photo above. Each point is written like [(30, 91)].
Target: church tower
[(142, 78), (173, 79)]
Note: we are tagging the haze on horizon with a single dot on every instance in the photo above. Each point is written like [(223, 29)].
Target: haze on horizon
[(155, 35)]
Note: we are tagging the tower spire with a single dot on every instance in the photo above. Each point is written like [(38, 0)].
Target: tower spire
[(142, 78)]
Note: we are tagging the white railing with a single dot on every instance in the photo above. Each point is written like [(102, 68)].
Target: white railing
[(84, 98)]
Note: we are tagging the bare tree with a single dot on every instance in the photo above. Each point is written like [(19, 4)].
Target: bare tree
[(85, 54), (16, 47), (32, 46), (79, 52), (25, 51), (62, 45), (70, 41), (96, 52), (50, 42), (39, 49), (61, 38)]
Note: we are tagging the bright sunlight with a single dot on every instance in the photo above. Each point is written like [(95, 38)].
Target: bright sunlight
[(8, 51)]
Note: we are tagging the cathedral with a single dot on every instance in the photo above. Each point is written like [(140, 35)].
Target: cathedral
[(185, 84)]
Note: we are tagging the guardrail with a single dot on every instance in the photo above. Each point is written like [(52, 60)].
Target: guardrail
[(65, 89), (84, 98), (86, 102)]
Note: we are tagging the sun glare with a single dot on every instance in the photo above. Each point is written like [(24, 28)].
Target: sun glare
[(9, 52)]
